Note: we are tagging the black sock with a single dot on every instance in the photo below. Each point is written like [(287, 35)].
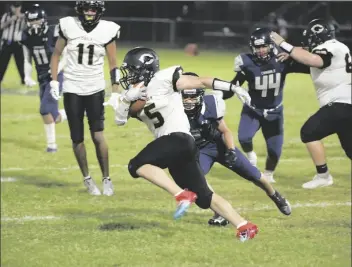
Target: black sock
[(322, 168)]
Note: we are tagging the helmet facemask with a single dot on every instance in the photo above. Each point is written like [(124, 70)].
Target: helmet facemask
[(192, 101)]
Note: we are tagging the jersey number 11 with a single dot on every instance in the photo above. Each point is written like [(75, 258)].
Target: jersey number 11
[(90, 54)]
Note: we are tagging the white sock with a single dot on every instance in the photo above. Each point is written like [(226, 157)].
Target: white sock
[(324, 175), (88, 177), (50, 135), (268, 173), (63, 115), (251, 154), (241, 224)]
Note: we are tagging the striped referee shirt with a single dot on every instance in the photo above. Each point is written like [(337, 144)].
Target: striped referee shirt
[(13, 31)]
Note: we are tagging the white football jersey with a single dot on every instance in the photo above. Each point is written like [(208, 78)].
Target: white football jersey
[(333, 83), (84, 70), (164, 113)]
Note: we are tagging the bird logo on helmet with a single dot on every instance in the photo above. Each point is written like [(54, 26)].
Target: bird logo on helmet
[(317, 32), (139, 65)]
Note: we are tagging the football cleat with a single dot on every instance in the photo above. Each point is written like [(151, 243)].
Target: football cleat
[(184, 200), (51, 150), (108, 189), (283, 205), (318, 182), (247, 231), (92, 187), (218, 220)]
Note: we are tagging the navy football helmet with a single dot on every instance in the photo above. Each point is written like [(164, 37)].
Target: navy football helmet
[(318, 31), (36, 20), (89, 12), (139, 65), (261, 44), (192, 99)]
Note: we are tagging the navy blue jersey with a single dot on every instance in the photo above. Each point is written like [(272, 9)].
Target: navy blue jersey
[(204, 127), (41, 48), (265, 80)]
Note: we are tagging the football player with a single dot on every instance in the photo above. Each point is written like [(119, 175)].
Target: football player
[(215, 143), (330, 68), (265, 75), (87, 39), (39, 41), (174, 147)]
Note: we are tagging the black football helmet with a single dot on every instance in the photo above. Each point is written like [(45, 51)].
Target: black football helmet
[(36, 20), (192, 99), (89, 12), (139, 65), (318, 31), (260, 38)]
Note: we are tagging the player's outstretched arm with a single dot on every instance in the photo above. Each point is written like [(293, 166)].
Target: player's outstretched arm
[(319, 59), (185, 82)]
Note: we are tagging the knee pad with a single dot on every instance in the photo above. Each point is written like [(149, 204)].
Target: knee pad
[(133, 166), (204, 200)]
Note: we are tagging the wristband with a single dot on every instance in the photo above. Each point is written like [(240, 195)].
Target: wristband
[(287, 47), (115, 76)]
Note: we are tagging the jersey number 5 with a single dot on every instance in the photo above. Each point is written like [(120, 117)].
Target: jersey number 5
[(348, 60), (154, 115), (266, 82), (90, 53)]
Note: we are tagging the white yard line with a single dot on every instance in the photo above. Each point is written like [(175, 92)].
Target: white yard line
[(288, 160), (196, 210), (8, 179)]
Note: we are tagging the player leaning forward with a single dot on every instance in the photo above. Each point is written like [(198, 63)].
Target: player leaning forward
[(330, 68), (87, 39), (174, 147)]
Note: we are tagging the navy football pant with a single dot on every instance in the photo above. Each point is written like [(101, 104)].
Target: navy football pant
[(273, 132)]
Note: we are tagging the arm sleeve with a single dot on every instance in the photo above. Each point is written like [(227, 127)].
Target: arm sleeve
[(175, 76), (296, 67), (325, 55)]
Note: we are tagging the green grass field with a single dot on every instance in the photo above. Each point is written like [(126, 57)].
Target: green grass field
[(47, 219)]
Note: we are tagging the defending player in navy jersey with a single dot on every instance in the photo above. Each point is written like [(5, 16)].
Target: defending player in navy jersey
[(215, 143), (265, 75), (39, 41)]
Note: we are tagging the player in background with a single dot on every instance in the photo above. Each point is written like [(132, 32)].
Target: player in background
[(266, 76), (331, 71), (87, 39), (39, 41), (215, 143), (173, 147)]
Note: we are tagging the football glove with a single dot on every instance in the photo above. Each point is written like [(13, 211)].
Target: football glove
[(54, 89), (230, 157)]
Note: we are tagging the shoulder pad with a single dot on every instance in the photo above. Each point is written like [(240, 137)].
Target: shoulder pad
[(215, 106), (56, 30), (64, 25), (112, 28), (238, 63), (220, 106)]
